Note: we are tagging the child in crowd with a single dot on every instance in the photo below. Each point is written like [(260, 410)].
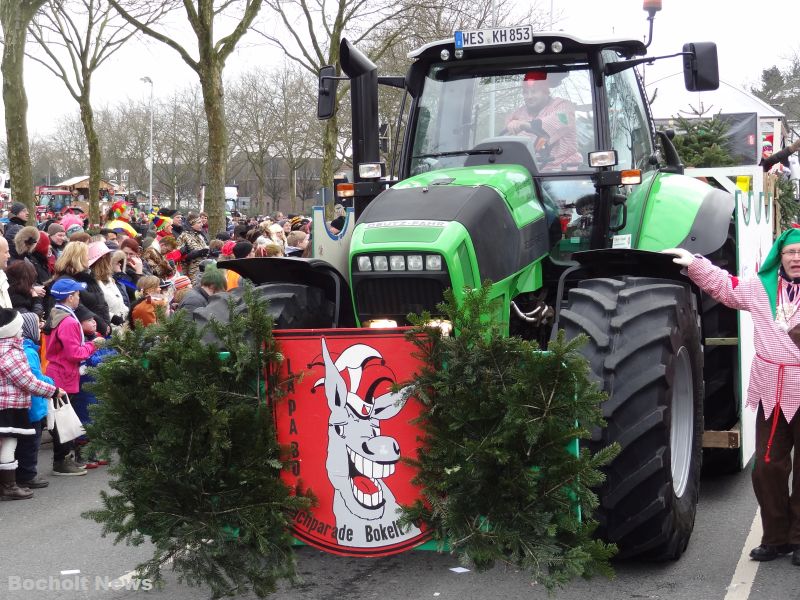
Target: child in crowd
[(17, 383), (67, 347), (83, 399), (27, 453), (152, 294)]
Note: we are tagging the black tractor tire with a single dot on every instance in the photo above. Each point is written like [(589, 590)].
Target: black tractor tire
[(291, 305), (644, 351)]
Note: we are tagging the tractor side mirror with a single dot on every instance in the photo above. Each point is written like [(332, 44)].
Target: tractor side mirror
[(326, 101), (700, 67)]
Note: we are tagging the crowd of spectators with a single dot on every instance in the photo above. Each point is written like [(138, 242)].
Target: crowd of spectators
[(75, 287)]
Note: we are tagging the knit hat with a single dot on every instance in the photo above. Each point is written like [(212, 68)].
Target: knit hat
[(26, 239), (71, 219), (73, 229), (118, 210), (30, 327), (55, 228), (17, 208), (298, 222), (181, 282), (65, 286), (10, 322), (242, 249), (43, 245), (96, 251), (768, 273), (84, 314), (161, 223), (338, 223), (227, 248)]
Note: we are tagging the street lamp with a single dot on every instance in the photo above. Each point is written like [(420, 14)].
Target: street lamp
[(150, 81)]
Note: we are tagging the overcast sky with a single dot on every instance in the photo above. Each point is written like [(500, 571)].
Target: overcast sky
[(749, 37)]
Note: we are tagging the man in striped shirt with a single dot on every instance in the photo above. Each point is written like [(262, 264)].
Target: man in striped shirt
[(549, 121)]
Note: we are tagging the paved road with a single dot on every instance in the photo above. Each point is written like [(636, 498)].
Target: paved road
[(43, 537)]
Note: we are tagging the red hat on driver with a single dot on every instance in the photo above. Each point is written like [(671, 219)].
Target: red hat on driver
[(535, 76)]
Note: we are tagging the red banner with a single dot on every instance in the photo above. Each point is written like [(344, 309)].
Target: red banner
[(346, 432)]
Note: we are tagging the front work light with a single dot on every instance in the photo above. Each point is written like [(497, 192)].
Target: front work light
[(380, 263), (397, 263), (433, 262), (370, 170), (364, 263), (603, 158), (381, 323), (414, 262)]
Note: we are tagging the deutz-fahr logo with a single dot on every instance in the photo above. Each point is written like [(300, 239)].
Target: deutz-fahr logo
[(347, 430)]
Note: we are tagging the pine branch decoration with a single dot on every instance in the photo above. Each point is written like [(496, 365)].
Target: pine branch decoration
[(499, 482), (198, 468)]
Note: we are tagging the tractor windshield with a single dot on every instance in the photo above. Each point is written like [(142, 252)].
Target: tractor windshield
[(462, 107)]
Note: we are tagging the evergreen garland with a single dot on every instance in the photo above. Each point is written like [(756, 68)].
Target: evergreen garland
[(785, 193), (198, 469), (499, 483)]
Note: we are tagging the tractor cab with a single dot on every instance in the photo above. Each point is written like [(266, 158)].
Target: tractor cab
[(572, 112)]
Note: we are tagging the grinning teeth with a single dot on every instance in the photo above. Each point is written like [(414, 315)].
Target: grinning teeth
[(369, 468)]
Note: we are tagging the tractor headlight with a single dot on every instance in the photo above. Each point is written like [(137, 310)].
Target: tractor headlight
[(380, 263), (433, 262), (397, 263), (364, 263), (414, 262)]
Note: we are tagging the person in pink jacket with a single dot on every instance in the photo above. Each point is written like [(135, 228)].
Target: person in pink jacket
[(17, 383), (772, 299), (66, 348)]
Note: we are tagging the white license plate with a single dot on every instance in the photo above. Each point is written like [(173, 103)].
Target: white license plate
[(494, 37)]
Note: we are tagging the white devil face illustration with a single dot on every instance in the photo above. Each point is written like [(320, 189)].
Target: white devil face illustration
[(359, 457)]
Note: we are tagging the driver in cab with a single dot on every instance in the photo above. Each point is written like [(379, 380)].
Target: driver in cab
[(548, 120)]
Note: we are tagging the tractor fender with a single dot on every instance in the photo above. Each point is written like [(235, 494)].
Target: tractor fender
[(616, 262), (312, 272), (685, 212)]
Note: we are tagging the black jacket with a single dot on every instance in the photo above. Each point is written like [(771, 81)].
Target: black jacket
[(14, 225)]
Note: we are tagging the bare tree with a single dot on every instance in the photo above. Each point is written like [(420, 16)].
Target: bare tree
[(253, 124), (69, 138), (15, 15), (316, 29), (307, 181), (274, 182), (297, 132), (77, 37), (212, 54)]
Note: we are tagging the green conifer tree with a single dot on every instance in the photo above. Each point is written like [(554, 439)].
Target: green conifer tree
[(701, 142), (198, 462), (500, 474)]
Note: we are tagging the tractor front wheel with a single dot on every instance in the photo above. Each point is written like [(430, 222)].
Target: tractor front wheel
[(644, 350)]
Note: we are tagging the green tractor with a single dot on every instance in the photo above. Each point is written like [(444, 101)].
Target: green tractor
[(531, 160), (565, 213)]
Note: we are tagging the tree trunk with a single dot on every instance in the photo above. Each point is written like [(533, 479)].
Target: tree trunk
[(95, 159), (292, 174), (214, 103), (14, 18)]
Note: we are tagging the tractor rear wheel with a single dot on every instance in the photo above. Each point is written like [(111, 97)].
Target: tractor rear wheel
[(644, 350)]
